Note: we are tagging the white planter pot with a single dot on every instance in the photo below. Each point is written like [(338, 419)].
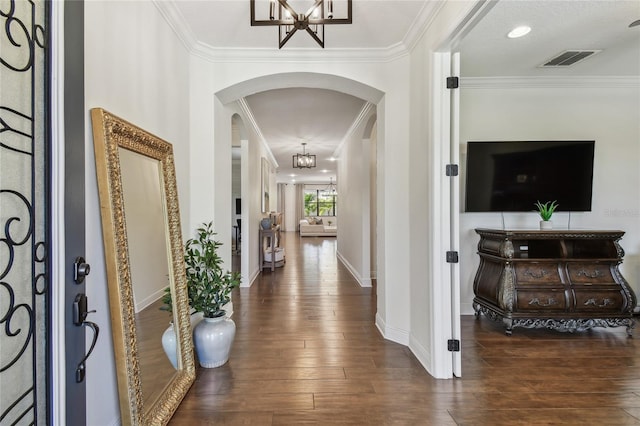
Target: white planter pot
[(170, 345), (212, 338), (546, 224), (196, 317)]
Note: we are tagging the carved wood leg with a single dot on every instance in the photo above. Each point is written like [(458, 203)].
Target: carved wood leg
[(476, 308), (508, 324)]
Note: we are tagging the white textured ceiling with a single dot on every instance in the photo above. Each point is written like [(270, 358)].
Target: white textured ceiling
[(386, 27), (226, 24), (556, 26), (320, 118)]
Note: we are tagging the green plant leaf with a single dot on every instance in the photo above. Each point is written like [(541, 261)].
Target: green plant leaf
[(209, 287), (546, 210)]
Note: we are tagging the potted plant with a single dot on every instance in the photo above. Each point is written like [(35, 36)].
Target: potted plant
[(546, 211), (209, 288)]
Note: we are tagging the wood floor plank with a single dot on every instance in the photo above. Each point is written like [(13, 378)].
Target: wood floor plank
[(247, 403), (359, 417), (582, 417), (307, 351)]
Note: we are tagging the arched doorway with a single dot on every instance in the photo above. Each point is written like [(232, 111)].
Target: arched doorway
[(231, 100)]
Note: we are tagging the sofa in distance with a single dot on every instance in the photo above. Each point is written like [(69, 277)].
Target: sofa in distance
[(319, 227)]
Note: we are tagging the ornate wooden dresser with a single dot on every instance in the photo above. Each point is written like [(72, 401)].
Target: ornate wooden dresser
[(559, 279)]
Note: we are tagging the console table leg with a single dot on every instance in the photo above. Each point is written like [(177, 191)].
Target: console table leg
[(508, 324), (476, 308)]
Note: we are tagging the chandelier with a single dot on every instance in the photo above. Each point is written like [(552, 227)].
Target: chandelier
[(304, 160), (331, 189), (289, 21)]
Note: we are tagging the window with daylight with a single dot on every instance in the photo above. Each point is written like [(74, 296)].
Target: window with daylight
[(318, 202)]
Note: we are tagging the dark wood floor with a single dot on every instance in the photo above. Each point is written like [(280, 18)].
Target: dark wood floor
[(307, 352)]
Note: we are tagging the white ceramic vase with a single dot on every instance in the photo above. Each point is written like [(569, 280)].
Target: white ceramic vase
[(546, 224), (213, 338), (170, 345), (196, 317)]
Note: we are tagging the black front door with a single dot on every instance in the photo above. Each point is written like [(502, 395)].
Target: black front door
[(29, 390)]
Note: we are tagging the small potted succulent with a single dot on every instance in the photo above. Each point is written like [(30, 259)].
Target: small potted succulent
[(545, 210)]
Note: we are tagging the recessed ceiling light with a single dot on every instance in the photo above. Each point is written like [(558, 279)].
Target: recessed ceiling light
[(520, 31), (634, 23)]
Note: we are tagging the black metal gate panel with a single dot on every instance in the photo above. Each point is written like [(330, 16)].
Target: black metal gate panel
[(24, 213)]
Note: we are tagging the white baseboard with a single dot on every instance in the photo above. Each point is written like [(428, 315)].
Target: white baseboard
[(364, 282), (421, 353), (149, 300), (250, 282), (390, 333)]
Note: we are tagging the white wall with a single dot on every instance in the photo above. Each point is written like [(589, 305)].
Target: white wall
[(290, 224), (253, 150), (390, 78), (146, 223), (604, 111), (427, 196), (354, 202), (141, 72), (137, 70)]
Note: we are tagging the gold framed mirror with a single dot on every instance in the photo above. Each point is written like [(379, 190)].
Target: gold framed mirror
[(143, 254)]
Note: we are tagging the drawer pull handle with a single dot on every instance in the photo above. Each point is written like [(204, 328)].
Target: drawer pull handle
[(533, 274), (550, 302), (594, 274), (605, 302)]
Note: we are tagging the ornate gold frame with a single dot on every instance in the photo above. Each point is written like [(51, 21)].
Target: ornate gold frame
[(111, 133)]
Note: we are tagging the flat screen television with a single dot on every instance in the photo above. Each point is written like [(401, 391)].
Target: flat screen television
[(511, 176)]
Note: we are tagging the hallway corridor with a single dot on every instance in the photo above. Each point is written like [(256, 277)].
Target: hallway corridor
[(307, 352)]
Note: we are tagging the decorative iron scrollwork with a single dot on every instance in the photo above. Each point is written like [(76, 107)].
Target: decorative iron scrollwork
[(24, 282)]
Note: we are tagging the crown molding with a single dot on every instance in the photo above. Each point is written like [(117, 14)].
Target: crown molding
[(176, 21), (291, 55), (180, 27), (609, 82), (364, 113), (250, 118), (421, 24)]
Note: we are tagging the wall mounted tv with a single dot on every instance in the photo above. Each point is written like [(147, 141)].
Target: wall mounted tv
[(512, 176)]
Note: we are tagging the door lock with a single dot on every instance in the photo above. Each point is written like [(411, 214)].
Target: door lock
[(80, 270)]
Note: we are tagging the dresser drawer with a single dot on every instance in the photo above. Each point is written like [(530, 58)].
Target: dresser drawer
[(599, 301), (537, 273), (590, 273), (540, 300)]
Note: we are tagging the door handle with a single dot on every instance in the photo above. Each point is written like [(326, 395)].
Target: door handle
[(80, 370), (80, 313)]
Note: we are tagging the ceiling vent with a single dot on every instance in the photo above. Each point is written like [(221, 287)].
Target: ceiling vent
[(569, 57)]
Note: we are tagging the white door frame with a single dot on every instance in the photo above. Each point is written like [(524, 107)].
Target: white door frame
[(443, 307), (446, 119)]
